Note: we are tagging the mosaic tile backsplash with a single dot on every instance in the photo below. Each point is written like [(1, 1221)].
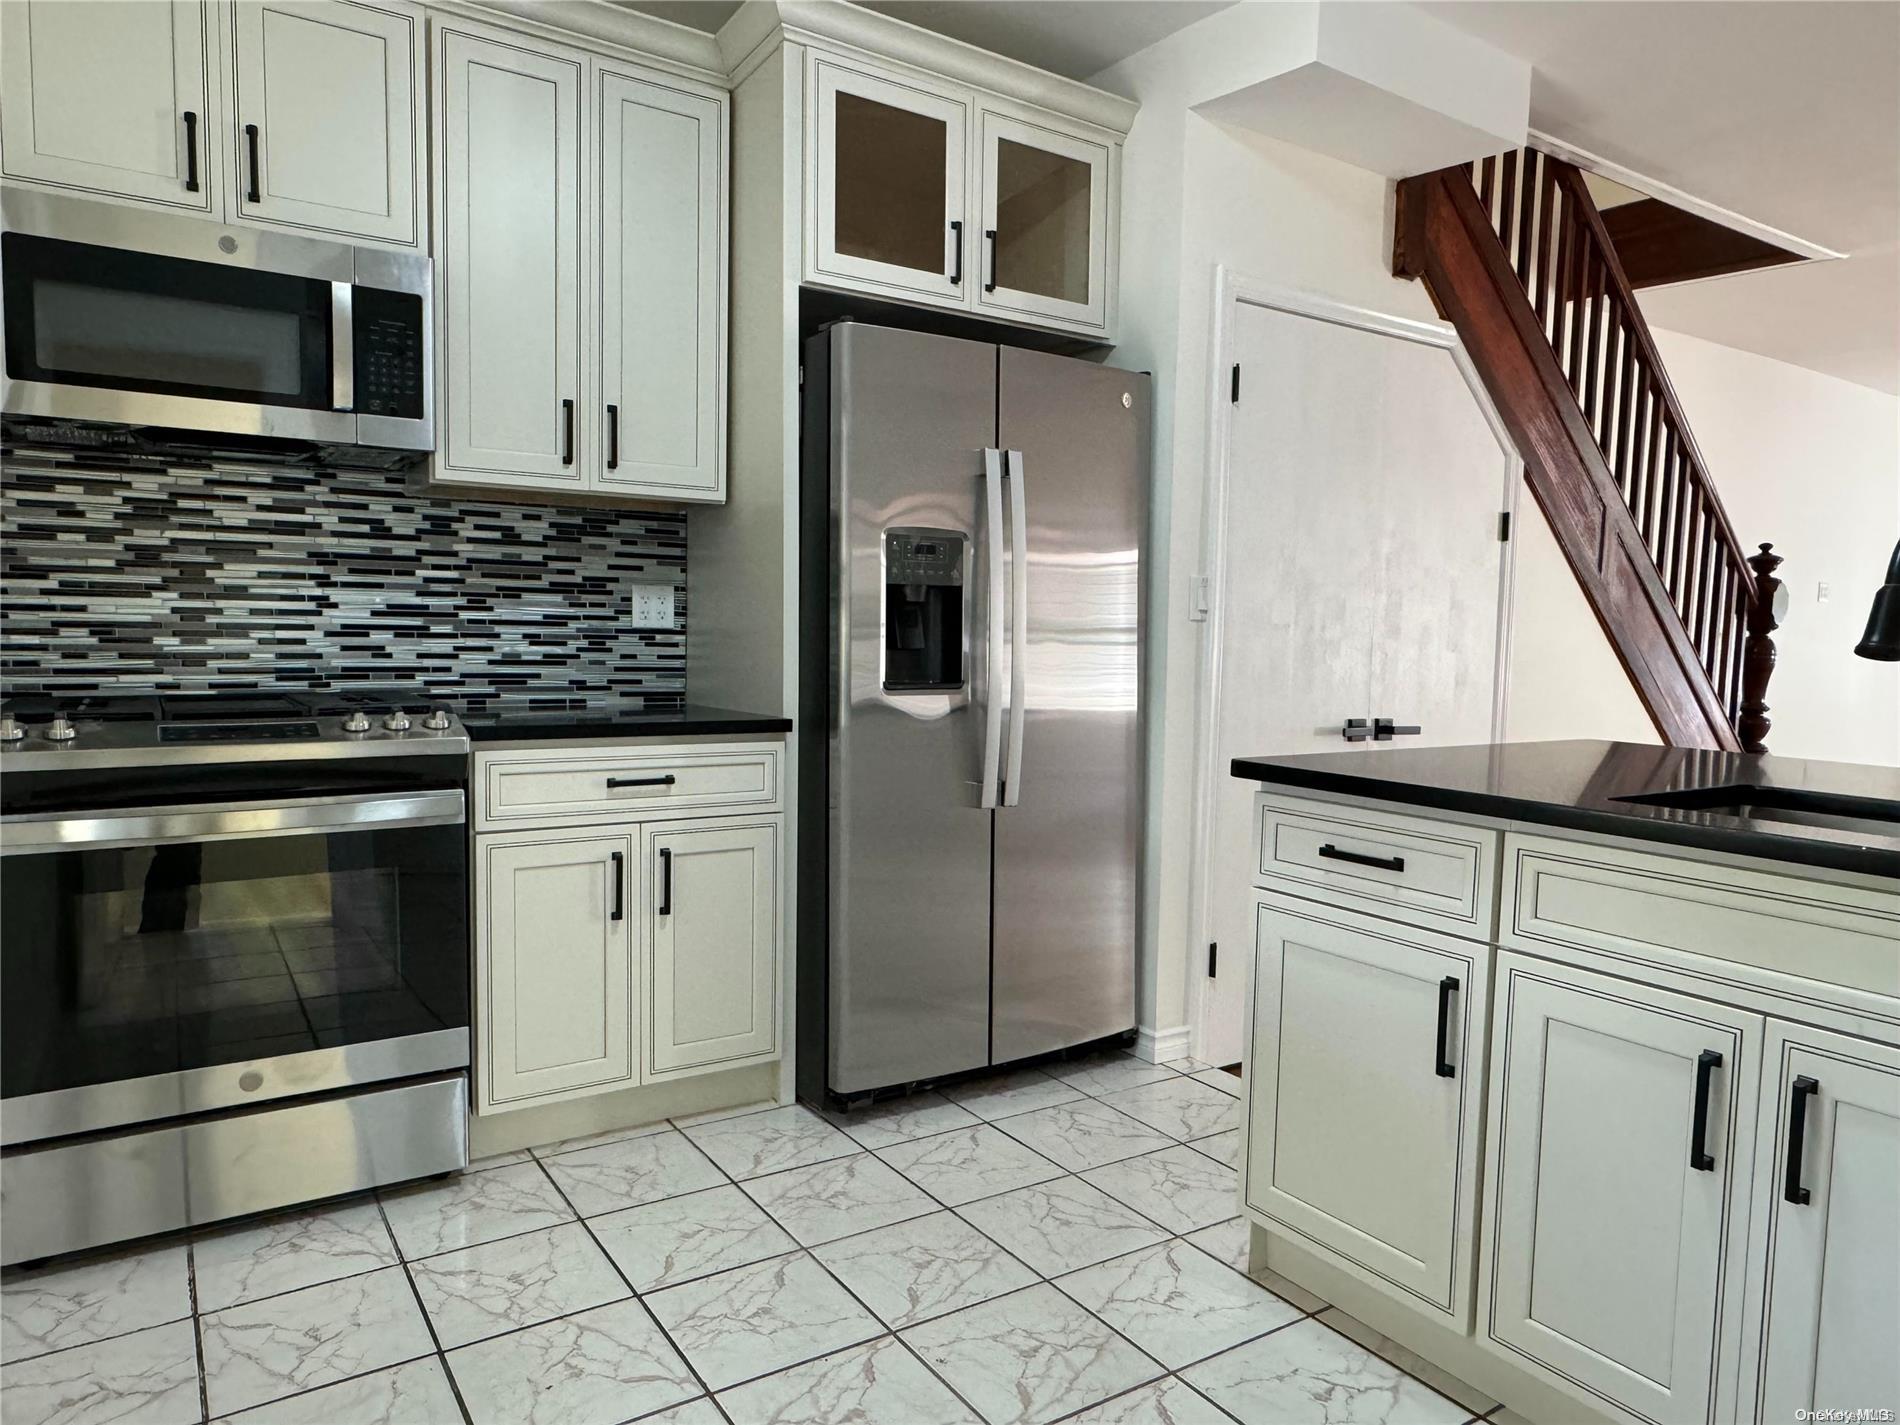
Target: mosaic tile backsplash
[(143, 578)]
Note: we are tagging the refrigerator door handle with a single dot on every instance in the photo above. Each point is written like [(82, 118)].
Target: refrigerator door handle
[(992, 626), (1018, 624)]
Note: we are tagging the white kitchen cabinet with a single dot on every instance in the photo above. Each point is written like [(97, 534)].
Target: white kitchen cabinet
[(1045, 206), (326, 118), (555, 986), (713, 930), (1621, 1137), (509, 258), (111, 99), (889, 183), (1824, 1280), (1366, 1096), (662, 283)]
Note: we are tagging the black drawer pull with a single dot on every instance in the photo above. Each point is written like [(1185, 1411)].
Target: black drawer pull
[(1378, 863), (191, 152), (666, 881), (956, 233), (665, 781), (1803, 1089), (250, 140), (1447, 987), (620, 886), (1706, 1063)]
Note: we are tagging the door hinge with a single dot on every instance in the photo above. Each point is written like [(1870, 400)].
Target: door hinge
[(1213, 958), (1504, 527), (1197, 598), (1234, 388)]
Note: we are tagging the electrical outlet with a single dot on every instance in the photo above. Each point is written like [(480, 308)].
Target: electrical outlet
[(653, 605)]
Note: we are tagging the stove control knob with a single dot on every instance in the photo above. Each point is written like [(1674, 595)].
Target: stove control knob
[(357, 721), (397, 721), (60, 729), (438, 720), (11, 729)]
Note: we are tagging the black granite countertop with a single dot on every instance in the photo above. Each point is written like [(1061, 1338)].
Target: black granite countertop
[(1582, 786), (609, 720)]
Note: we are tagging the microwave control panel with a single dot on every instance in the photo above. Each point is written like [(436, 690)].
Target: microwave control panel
[(388, 352)]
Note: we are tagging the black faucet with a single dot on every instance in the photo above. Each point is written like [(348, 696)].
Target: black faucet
[(1882, 639)]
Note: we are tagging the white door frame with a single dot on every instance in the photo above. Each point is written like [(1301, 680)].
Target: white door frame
[(1232, 290)]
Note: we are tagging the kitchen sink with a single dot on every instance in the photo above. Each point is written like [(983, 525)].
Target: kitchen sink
[(1785, 804)]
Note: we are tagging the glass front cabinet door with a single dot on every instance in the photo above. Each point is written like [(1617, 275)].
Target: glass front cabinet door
[(1044, 199), (889, 201)]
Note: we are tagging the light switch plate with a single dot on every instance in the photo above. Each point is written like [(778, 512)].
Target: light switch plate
[(653, 605)]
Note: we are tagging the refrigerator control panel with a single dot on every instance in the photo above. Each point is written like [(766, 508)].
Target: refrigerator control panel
[(924, 637)]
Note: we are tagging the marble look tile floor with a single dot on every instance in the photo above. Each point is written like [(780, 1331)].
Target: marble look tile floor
[(1049, 1244)]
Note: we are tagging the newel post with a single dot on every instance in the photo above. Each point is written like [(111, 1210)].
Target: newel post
[(1758, 653)]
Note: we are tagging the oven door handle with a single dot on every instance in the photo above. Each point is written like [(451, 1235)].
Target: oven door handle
[(37, 833)]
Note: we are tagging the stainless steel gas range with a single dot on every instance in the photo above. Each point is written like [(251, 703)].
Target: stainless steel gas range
[(234, 966)]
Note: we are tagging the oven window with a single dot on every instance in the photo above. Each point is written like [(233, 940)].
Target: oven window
[(83, 315), (128, 962)]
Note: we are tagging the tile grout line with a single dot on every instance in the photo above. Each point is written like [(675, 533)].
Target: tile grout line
[(197, 1331), (428, 1324)]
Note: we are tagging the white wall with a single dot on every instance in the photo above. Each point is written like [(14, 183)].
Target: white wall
[(1806, 461), (1201, 195)]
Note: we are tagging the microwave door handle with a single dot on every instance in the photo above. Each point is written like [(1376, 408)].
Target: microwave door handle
[(342, 348), (37, 833), (1018, 624), (992, 626)]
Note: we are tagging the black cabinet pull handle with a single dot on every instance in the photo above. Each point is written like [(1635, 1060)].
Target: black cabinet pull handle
[(1804, 1088), (956, 232), (665, 781), (1706, 1063), (666, 880), (252, 195), (567, 432), (990, 234), (191, 152), (620, 886), (1381, 863), (1447, 987), (613, 436), (1384, 730)]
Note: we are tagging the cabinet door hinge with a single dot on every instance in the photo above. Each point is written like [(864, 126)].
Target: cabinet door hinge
[(1234, 388), (1504, 527), (1213, 958)]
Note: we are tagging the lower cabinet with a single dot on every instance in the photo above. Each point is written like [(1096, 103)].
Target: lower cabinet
[(1622, 1131), (1367, 1096), (1824, 1279), (712, 933), (554, 966)]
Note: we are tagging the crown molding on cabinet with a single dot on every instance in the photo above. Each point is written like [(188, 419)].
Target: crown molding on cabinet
[(654, 43), (832, 24)]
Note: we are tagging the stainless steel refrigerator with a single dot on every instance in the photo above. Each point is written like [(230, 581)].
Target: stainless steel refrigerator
[(973, 521)]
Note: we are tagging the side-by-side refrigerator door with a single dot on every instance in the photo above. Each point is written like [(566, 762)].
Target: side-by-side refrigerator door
[(1075, 437), (913, 424)]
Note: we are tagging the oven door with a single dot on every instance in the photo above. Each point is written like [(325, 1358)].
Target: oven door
[(154, 320), (168, 960)]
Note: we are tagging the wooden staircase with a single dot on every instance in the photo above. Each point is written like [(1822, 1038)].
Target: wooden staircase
[(1516, 256)]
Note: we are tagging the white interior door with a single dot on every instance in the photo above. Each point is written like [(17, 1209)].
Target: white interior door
[(662, 273), (109, 98), (1826, 1250), (1361, 575), (325, 120)]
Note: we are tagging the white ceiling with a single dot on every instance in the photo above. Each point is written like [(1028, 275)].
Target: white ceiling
[(1076, 38), (1788, 114)]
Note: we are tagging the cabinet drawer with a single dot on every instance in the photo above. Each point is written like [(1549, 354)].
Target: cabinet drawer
[(1430, 873), (595, 784)]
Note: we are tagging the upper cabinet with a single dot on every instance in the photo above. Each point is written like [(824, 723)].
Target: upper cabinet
[(110, 99), (295, 114), (569, 185), (326, 102), (922, 189)]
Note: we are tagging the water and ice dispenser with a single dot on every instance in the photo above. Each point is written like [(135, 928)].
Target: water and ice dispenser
[(923, 610)]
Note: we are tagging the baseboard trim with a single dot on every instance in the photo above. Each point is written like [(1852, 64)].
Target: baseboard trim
[(1158, 1046)]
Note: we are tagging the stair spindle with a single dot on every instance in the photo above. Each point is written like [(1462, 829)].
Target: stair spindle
[(1546, 209), (1507, 194)]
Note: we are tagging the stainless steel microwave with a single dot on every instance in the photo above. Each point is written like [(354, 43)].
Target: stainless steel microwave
[(120, 319)]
